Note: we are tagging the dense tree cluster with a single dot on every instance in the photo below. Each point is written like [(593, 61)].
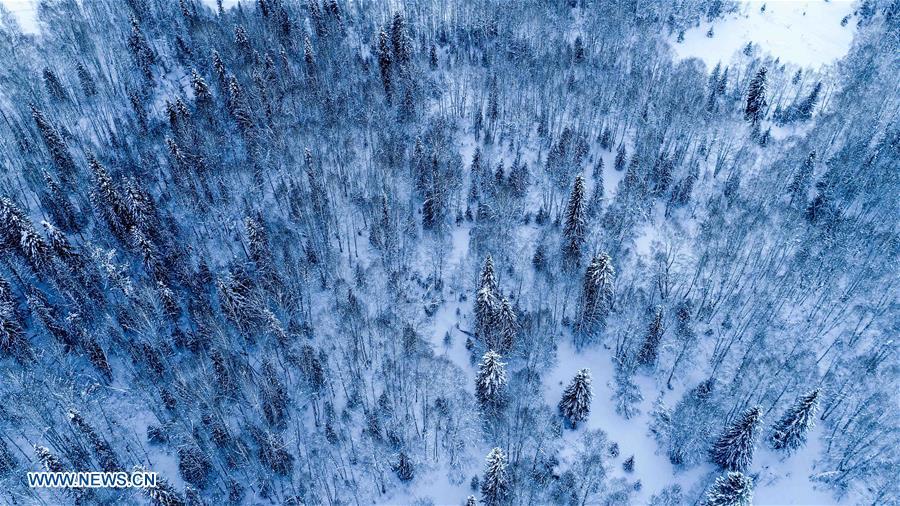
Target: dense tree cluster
[(333, 252)]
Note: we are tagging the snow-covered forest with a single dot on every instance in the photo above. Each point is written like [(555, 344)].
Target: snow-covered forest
[(453, 252)]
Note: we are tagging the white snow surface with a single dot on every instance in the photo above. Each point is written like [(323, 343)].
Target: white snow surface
[(804, 33), (25, 12)]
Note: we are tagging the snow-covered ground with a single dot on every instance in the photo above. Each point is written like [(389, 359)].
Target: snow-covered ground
[(805, 33), (25, 12)]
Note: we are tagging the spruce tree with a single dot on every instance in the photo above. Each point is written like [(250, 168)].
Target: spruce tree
[(404, 468), (12, 333), (88, 85), (575, 404), (619, 162), (799, 186), (733, 451), (789, 433), (143, 55), (104, 453), (59, 153), (54, 86), (507, 327), (488, 278), (495, 486), (756, 97), (8, 462), (650, 349), (52, 464), (385, 63), (163, 494), (731, 489), (808, 105), (575, 229), (490, 383), (596, 298), (487, 303)]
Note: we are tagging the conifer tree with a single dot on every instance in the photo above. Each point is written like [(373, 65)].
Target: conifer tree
[(799, 186), (488, 278), (55, 145), (385, 62), (650, 349), (106, 457), (495, 486), (12, 333), (8, 462), (404, 468), (107, 201), (575, 229), (61, 210), (400, 42), (487, 302), (507, 326), (756, 97), (575, 404), (490, 383), (143, 55), (619, 163), (733, 451), (808, 105), (163, 494), (731, 489), (88, 85), (194, 465), (54, 86), (596, 298), (202, 95), (52, 464), (789, 433), (471, 501)]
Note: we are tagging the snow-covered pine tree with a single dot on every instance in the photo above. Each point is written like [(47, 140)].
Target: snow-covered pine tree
[(596, 298), (385, 62), (799, 186), (88, 85), (487, 303), (52, 464), (163, 494), (59, 153), (490, 383), (619, 162), (733, 451), (495, 486), (808, 105), (756, 97), (141, 52), (104, 453), (575, 404), (8, 462), (194, 465), (650, 349), (48, 461), (404, 468), (731, 489), (54, 86), (488, 277), (202, 95), (575, 223), (789, 433), (507, 327), (12, 334), (400, 43), (471, 501)]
